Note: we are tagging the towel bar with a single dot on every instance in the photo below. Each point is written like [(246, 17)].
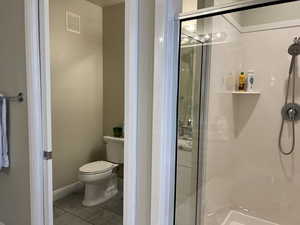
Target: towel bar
[(17, 98)]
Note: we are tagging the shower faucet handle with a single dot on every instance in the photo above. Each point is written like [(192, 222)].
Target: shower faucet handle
[(292, 113)]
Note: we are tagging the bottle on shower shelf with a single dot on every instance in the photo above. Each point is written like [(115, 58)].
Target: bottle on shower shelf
[(250, 80), (242, 82)]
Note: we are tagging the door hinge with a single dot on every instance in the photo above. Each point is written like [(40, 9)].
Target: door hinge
[(47, 155)]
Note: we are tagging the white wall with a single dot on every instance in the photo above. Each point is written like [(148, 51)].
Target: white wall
[(104, 3), (243, 166), (113, 67), (77, 89), (145, 110), (270, 186), (14, 182), (192, 5), (189, 5), (277, 13)]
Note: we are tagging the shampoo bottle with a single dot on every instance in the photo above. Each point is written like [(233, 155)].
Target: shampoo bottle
[(250, 80), (242, 82)]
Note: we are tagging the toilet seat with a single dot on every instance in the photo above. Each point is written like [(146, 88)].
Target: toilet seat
[(97, 167)]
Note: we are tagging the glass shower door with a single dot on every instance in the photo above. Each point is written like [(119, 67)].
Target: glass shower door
[(192, 73), (233, 81)]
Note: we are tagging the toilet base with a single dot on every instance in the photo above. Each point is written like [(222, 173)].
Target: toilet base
[(97, 193)]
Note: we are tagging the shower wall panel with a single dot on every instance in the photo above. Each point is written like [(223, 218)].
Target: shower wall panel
[(243, 168), (263, 175)]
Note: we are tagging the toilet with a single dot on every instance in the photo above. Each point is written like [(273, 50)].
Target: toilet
[(99, 177)]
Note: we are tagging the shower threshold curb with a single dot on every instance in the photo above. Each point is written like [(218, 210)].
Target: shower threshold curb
[(238, 218)]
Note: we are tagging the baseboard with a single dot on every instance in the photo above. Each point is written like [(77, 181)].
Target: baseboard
[(66, 190)]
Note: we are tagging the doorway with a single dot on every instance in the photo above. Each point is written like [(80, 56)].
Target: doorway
[(87, 102), (135, 211)]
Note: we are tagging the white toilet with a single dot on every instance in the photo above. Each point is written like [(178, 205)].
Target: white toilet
[(99, 177)]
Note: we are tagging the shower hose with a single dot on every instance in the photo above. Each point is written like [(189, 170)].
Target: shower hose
[(291, 112)]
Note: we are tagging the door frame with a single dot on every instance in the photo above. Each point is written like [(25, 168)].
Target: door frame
[(39, 110), (164, 111), (35, 143)]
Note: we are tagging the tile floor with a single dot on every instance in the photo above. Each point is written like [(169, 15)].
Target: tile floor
[(69, 211)]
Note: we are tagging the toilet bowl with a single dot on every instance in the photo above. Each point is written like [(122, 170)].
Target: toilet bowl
[(100, 181), (99, 177)]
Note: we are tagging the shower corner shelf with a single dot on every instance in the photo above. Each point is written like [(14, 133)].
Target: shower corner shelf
[(245, 93)]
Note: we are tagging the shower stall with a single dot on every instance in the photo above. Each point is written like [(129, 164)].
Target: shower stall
[(237, 153)]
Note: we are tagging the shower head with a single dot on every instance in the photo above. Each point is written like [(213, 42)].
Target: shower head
[(294, 49)]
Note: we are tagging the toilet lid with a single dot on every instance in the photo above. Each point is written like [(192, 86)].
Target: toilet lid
[(97, 167)]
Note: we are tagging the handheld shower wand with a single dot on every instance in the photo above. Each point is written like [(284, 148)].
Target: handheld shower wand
[(291, 110)]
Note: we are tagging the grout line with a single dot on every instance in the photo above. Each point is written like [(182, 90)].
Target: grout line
[(116, 214), (72, 214), (85, 220)]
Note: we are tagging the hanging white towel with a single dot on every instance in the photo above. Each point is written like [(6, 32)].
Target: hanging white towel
[(4, 161)]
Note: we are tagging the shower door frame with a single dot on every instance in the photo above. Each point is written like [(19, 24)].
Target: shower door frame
[(168, 22), (39, 111)]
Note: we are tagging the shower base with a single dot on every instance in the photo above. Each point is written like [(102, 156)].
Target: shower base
[(238, 218)]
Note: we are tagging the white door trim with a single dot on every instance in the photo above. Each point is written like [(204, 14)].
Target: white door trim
[(131, 110), (164, 111), (44, 22), (34, 111), (39, 114)]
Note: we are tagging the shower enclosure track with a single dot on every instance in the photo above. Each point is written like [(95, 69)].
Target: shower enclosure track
[(229, 8)]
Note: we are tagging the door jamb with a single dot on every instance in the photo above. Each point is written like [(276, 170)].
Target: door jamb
[(164, 111), (34, 110), (131, 111), (39, 125)]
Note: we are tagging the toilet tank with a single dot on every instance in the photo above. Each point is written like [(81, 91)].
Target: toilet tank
[(114, 149)]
